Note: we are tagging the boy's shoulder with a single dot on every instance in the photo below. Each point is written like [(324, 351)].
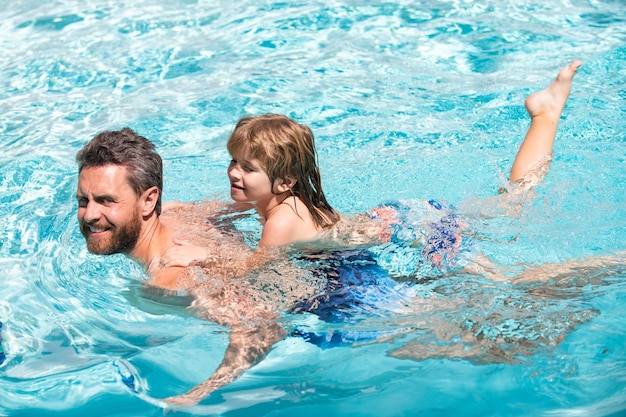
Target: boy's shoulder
[(288, 223)]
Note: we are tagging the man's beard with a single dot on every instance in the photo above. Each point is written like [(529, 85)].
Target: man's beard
[(122, 239)]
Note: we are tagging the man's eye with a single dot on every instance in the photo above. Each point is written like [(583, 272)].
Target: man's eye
[(82, 202)]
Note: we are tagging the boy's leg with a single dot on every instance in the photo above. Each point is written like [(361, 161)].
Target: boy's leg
[(591, 268), (544, 108)]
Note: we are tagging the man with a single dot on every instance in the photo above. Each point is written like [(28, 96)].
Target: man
[(119, 200), (119, 211)]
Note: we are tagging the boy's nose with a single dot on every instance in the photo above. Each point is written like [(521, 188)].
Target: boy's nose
[(234, 172)]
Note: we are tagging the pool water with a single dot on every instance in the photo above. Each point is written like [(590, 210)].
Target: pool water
[(409, 101)]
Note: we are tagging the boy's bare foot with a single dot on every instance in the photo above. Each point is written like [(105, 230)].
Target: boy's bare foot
[(551, 101), (545, 108)]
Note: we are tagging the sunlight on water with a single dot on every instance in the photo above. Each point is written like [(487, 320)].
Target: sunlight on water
[(408, 102)]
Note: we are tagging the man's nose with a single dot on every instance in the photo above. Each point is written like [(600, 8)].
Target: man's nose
[(91, 212)]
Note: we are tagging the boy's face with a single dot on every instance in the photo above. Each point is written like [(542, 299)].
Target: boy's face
[(248, 181)]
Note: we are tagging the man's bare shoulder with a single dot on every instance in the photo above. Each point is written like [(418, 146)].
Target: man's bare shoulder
[(167, 277), (192, 216), (204, 206)]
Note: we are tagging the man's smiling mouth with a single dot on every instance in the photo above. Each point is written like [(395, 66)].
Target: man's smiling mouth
[(95, 229)]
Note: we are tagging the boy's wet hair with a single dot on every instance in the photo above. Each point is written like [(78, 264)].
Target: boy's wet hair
[(285, 148), (125, 148)]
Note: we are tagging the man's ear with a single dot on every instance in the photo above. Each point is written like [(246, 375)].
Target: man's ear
[(149, 200), (282, 185)]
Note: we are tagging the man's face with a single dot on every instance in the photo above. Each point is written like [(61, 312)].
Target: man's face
[(108, 210)]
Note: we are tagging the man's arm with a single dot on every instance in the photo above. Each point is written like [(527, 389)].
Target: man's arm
[(252, 320), (246, 348)]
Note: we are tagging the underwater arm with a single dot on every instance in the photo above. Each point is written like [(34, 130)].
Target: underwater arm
[(247, 346), (251, 312)]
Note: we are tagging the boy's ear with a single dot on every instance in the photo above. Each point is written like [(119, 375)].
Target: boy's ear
[(149, 200), (283, 185)]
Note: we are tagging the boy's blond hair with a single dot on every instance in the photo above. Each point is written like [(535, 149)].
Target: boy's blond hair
[(285, 148)]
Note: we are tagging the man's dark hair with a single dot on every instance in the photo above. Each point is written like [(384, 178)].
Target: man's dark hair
[(126, 148)]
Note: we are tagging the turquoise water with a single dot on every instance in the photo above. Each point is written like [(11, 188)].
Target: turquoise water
[(408, 101)]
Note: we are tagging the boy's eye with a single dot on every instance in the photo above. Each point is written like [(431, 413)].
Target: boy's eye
[(244, 165)]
